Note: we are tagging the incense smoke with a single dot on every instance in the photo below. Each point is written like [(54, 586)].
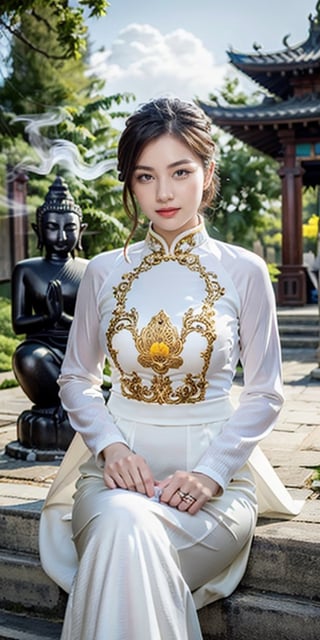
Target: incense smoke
[(52, 152)]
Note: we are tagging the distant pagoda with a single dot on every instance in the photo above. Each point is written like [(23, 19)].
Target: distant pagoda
[(285, 126)]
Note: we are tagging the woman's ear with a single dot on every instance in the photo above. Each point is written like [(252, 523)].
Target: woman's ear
[(208, 175)]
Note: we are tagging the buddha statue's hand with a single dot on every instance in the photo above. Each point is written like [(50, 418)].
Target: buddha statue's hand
[(54, 300)]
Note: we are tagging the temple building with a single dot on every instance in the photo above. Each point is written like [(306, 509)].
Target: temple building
[(285, 126)]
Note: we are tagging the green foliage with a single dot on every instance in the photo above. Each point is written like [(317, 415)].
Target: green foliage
[(311, 203), (316, 473), (274, 272), (71, 106), (5, 318), (232, 94), (105, 232), (8, 383), (60, 18), (8, 339), (34, 84), (248, 204), (249, 193)]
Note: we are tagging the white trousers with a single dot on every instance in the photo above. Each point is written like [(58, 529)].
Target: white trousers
[(145, 567)]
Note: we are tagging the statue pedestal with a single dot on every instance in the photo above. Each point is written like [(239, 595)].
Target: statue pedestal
[(43, 434)]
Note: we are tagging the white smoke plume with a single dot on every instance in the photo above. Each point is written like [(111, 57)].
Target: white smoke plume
[(7, 203), (57, 152)]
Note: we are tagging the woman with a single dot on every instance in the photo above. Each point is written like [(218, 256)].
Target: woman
[(165, 506)]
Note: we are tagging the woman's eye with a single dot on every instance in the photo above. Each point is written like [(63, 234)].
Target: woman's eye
[(144, 177), (181, 173)]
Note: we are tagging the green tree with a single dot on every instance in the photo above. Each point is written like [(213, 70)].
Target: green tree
[(311, 203), (231, 93), (62, 19), (248, 204), (67, 104), (248, 201)]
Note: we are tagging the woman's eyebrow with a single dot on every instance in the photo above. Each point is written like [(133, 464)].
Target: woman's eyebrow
[(144, 167)]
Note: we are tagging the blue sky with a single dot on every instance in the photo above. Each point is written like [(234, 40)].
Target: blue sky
[(218, 23), (179, 46)]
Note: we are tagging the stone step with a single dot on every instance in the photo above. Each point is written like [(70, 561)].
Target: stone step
[(258, 616), (307, 319), (18, 627), (243, 615), (25, 588), (306, 354), (299, 342), (308, 330), (19, 529), (285, 560), (299, 330), (278, 596)]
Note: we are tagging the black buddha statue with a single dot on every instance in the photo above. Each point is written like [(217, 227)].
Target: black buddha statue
[(44, 291)]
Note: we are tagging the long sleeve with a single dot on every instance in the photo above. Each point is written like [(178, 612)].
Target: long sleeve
[(113, 315), (261, 398), (82, 370)]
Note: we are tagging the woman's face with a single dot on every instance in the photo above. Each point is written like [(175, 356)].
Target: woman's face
[(168, 182)]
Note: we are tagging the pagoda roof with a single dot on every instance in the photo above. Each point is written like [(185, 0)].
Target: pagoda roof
[(259, 125), (271, 70)]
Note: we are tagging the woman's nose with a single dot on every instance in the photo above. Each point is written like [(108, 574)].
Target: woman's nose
[(164, 191)]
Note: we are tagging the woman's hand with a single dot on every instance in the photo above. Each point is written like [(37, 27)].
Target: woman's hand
[(124, 469), (188, 491)]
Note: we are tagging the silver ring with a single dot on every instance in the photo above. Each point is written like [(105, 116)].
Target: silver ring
[(186, 497), (189, 498)]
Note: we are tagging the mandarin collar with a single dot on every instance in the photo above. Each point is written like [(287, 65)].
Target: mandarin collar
[(185, 241)]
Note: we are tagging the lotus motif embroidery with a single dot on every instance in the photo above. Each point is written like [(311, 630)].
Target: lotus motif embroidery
[(159, 344)]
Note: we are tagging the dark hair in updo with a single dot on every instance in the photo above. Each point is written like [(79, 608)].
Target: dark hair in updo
[(184, 120)]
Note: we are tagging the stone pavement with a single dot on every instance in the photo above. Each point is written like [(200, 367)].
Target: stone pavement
[(293, 447)]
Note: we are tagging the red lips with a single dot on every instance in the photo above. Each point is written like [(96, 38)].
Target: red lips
[(167, 213)]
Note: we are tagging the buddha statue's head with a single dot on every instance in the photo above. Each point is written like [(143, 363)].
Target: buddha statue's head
[(59, 224)]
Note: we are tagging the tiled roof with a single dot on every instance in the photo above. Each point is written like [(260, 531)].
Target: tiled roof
[(261, 125), (298, 109), (305, 54), (273, 70)]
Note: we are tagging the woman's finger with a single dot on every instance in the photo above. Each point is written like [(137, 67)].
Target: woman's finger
[(132, 473)]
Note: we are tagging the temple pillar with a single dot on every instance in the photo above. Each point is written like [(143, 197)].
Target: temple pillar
[(18, 215), (292, 286)]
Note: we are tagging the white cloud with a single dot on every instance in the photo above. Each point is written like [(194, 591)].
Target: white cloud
[(147, 63)]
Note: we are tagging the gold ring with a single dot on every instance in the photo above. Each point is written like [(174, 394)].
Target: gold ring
[(182, 494)]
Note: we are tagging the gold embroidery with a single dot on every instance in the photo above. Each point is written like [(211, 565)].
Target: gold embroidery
[(161, 390), (159, 344), (159, 349)]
